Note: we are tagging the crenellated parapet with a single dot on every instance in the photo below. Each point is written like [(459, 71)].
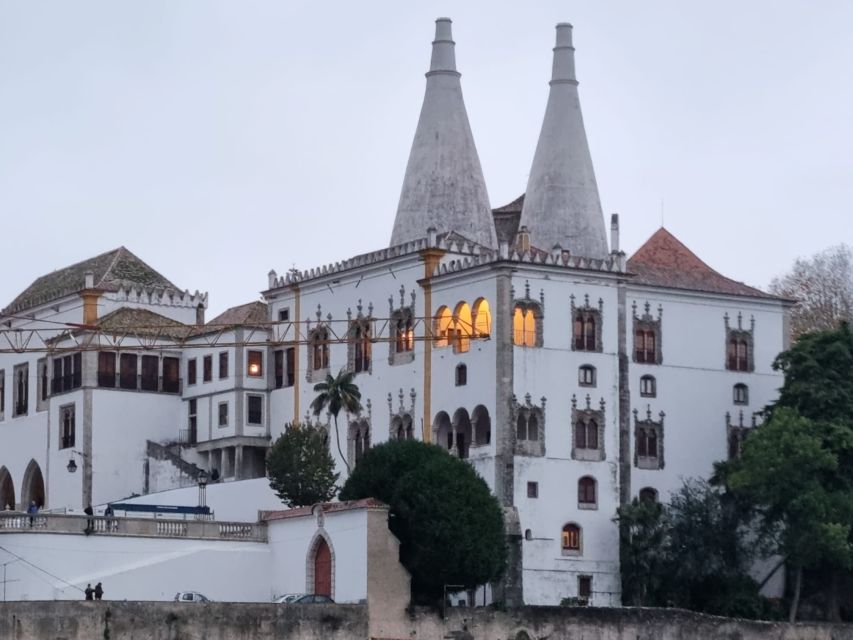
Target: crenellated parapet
[(130, 292)]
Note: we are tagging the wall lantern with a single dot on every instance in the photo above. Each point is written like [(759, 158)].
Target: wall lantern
[(72, 463)]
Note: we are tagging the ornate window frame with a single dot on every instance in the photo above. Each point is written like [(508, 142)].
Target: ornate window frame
[(583, 317), (740, 393), (737, 433), (737, 338), (646, 325), (360, 336), (648, 386), (644, 430), (401, 420), (358, 436), (587, 376), (319, 347), (401, 346), (582, 418), (585, 504), (528, 305), (522, 417)]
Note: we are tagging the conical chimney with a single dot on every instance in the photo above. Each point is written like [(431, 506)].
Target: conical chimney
[(444, 185), (561, 205)]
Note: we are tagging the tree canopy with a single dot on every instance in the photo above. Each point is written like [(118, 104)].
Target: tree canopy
[(300, 468), (823, 286), (796, 469), (449, 524)]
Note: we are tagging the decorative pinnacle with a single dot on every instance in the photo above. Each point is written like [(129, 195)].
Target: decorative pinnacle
[(563, 69), (443, 49)]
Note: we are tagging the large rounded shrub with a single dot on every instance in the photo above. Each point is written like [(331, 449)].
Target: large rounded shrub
[(449, 524)]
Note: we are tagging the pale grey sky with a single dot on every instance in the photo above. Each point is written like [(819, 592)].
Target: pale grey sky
[(217, 140)]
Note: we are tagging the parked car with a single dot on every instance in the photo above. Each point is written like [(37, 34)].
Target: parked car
[(190, 596), (304, 598)]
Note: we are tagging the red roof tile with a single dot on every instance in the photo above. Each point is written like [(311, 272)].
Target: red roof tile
[(665, 262)]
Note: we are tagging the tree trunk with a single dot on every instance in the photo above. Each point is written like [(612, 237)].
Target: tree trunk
[(833, 611), (338, 442), (798, 583)]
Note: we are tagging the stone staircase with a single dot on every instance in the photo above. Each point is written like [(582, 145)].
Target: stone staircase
[(164, 452)]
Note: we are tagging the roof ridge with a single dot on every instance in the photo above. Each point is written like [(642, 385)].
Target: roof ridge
[(118, 253)]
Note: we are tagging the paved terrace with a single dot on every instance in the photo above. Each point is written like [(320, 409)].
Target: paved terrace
[(13, 522)]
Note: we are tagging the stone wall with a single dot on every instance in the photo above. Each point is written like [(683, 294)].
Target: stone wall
[(70, 620), (76, 620), (593, 623)]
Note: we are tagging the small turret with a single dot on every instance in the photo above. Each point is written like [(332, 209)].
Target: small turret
[(444, 185)]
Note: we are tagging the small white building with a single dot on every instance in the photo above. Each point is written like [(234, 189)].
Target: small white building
[(571, 378)]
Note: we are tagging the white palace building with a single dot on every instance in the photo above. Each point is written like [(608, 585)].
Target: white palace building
[(522, 339)]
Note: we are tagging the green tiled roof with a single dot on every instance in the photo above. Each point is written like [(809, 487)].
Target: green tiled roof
[(111, 269)]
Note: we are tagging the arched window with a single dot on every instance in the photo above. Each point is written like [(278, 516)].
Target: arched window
[(482, 318), (648, 495), (586, 435), (648, 387), (586, 332), (587, 493), (482, 425), (463, 327), (570, 540), (443, 324), (461, 375), (741, 394), (360, 345), (738, 353), (644, 346), (463, 430), (404, 335), (527, 426), (586, 375), (524, 330), (647, 443)]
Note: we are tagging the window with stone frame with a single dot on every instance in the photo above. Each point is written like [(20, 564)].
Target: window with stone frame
[(43, 387), (648, 441), (191, 371), (737, 433), (207, 368), (585, 588), (648, 387), (318, 353), (740, 345), (529, 420), (527, 318), (21, 389), (586, 326), (223, 364), (254, 409), (359, 341), (67, 427), (587, 493), (400, 421), (588, 431), (401, 428), (402, 327), (106, 369), (254, 363), (358, 440), (741, 393), (571, 540), (586, 375), (67, 373), (223, 414), (647, 335)]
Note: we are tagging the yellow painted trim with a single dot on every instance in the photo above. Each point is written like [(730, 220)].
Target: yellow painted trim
[(431, 258), (297, 314)]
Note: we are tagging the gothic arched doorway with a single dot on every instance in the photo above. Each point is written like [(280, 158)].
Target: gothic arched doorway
[(33, 487), (7, 489), (323, 569)]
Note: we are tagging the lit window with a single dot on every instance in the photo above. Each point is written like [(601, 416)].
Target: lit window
[(524, 327), (570, 539), (443, 323), (255, 366), (463, 327), (482, 318)]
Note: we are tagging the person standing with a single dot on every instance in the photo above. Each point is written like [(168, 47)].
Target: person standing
[(99, 591), (90, 521), (32, 510), (89, 591)]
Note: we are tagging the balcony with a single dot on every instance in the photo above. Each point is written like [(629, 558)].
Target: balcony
[(13, 522)]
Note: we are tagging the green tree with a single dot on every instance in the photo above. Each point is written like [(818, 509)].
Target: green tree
[(336, 393), (300, 467), (449, 524), (797, 468), (642, 554)]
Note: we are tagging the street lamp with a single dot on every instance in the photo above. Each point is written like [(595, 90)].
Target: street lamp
[(72, 463), (202, 488)]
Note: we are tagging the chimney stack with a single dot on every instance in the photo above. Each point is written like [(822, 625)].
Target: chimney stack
[(90, 297), (614, 233)]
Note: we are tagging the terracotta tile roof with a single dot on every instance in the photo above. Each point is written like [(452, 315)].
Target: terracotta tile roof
[(513, 207), (507, 219), (110, 269), (137, 322), (328, 507), (664, 261), (255, 312)]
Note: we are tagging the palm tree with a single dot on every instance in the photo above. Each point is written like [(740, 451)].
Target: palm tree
[(336, 393)]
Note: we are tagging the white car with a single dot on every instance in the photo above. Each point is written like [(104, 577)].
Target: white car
[(190, 596)]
